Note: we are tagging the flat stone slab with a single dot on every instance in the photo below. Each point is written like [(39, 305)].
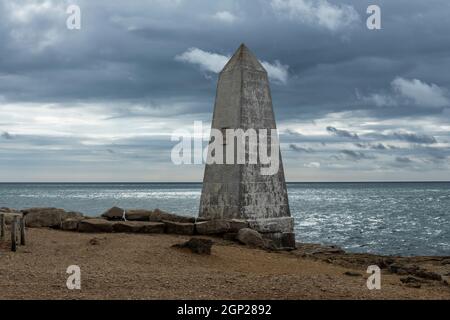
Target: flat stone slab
[(213, 227), (138, 227), (152, 227), (138, 215), (179, 227), (159, 215), (96, 225)]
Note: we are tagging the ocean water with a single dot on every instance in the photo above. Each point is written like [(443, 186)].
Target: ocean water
[(383, 218)]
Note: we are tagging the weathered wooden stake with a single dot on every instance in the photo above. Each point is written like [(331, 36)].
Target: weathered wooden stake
[(22, 231), (2, 226), (14, 234)]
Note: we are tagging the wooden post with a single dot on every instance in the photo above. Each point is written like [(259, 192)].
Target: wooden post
[(14, 234), (22, 231), (2, 226)]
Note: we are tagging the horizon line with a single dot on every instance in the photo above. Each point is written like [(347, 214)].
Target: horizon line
[(192, 182)]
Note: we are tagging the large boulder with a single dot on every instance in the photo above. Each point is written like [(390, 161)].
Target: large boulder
[(95, 225), (179, 227), (70, 224), (213, 227), (47, 217), (114, 214), (138, 215), (251, 238), (138, 227), (197, 245)]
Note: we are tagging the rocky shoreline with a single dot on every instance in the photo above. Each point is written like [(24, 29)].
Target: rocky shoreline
[(269, 235), (414, 271)]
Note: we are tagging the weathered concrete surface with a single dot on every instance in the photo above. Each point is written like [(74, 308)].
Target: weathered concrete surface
[(240, 191)]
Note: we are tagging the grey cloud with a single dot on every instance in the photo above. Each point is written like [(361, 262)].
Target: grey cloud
[(411, 137), (356, 155), (403, 160), (405, 136), (377, 146), (6, 135), (123, 57), (342, 133), (299, 149)]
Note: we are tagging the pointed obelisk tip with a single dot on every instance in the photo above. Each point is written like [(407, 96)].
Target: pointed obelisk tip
[(243, 57)]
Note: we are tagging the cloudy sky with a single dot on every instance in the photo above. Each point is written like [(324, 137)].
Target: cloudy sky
[(101, 103)]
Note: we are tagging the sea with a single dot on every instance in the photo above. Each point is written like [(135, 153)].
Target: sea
[(394, 218)]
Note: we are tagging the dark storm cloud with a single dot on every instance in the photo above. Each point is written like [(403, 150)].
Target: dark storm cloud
[(123, 59), (128, 53)]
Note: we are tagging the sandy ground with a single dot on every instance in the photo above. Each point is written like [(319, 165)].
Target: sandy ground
[(131, 266)]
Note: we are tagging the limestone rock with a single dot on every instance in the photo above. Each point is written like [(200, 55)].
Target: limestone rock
[(43, 217), (213, 227), (138, 215), (230, 236), (114, 214), (47, 217), (281, 240), (95, 225), (250, 237), (179, 227), (197, 245), (72, 215), (138, 227), (70, 224), (156, 215), (127, 226), (159, 215), (237, 224), (407, 269), (153, 227)]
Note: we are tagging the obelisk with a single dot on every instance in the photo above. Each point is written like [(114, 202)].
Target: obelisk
[(240, 191)]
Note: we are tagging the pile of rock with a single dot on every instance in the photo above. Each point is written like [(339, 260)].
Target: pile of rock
[(265, 233), (157, 221)]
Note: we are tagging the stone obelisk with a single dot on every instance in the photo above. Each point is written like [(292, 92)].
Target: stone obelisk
[(240, 191)]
